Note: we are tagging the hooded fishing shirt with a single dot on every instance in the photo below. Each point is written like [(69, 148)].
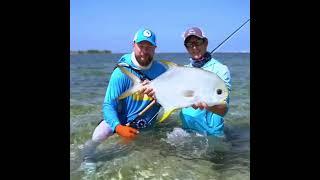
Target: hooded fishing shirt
[(126, 110)]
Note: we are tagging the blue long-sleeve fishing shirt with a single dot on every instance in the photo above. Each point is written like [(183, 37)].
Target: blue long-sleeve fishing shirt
[(123, 111)]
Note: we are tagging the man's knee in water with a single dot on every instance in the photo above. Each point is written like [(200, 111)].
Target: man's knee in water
[(102, 132)]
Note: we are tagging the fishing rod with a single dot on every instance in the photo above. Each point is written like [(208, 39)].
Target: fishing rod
[(154, 101), (230, 36)]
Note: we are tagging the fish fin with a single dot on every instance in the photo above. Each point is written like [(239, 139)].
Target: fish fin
[(133, 77), (169, 63), (188, 93), (166, 114), (136, 83), (129, 92)]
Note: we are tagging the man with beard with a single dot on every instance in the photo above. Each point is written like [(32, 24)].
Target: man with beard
[(119, 115)]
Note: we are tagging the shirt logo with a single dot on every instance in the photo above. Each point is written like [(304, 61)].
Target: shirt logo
[(146, 33)]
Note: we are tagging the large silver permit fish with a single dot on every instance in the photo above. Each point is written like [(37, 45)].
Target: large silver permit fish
[(182, 86)]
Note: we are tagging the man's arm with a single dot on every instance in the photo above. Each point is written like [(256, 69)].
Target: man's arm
[(116, 86), (219, 109)]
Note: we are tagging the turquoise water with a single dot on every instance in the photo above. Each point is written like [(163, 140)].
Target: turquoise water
[(166, 151)]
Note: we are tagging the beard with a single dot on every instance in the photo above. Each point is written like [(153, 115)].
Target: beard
[(145, 60)]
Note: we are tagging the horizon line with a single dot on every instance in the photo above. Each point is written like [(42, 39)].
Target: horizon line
[(165, 52)]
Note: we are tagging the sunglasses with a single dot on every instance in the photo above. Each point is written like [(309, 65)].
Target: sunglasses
[(197, 42)]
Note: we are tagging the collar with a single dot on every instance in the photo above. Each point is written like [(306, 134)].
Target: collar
[(203, 61)]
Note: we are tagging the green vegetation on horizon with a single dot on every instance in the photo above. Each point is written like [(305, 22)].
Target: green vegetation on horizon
[(91, 51)]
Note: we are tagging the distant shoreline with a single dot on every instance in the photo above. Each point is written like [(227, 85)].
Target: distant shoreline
[(109, 52), (91, 51)]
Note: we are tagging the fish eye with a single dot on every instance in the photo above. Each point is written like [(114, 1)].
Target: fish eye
[(219, 91)]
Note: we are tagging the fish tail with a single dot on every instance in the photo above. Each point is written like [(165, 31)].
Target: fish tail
[(136, 83)]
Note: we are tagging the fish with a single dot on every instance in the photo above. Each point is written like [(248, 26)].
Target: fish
[(181, 86)]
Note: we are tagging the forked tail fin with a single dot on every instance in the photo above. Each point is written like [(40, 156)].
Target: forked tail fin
[(136, 83)]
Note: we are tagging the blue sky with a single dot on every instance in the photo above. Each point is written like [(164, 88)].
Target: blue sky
[(111, 25)]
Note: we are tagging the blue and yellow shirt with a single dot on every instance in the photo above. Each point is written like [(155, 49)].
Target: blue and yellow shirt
[(126, 110)]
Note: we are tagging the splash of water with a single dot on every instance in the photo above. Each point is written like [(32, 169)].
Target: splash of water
[(187, 145)]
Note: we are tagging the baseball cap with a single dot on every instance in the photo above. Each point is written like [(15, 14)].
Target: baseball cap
[(195, 32), (144, 34)]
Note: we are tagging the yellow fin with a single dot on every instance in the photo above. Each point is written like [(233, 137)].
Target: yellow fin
[(166, 114), (169, 63), (133, 77)]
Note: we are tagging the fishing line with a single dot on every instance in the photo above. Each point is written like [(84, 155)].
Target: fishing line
[(230, 36), (210, 53)]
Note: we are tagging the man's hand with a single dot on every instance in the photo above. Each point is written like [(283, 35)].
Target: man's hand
[(146, 89), (201, 105), (220, 109), (126, 131)]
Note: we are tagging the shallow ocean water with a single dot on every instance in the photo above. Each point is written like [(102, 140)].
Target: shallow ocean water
[(166, 151)]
